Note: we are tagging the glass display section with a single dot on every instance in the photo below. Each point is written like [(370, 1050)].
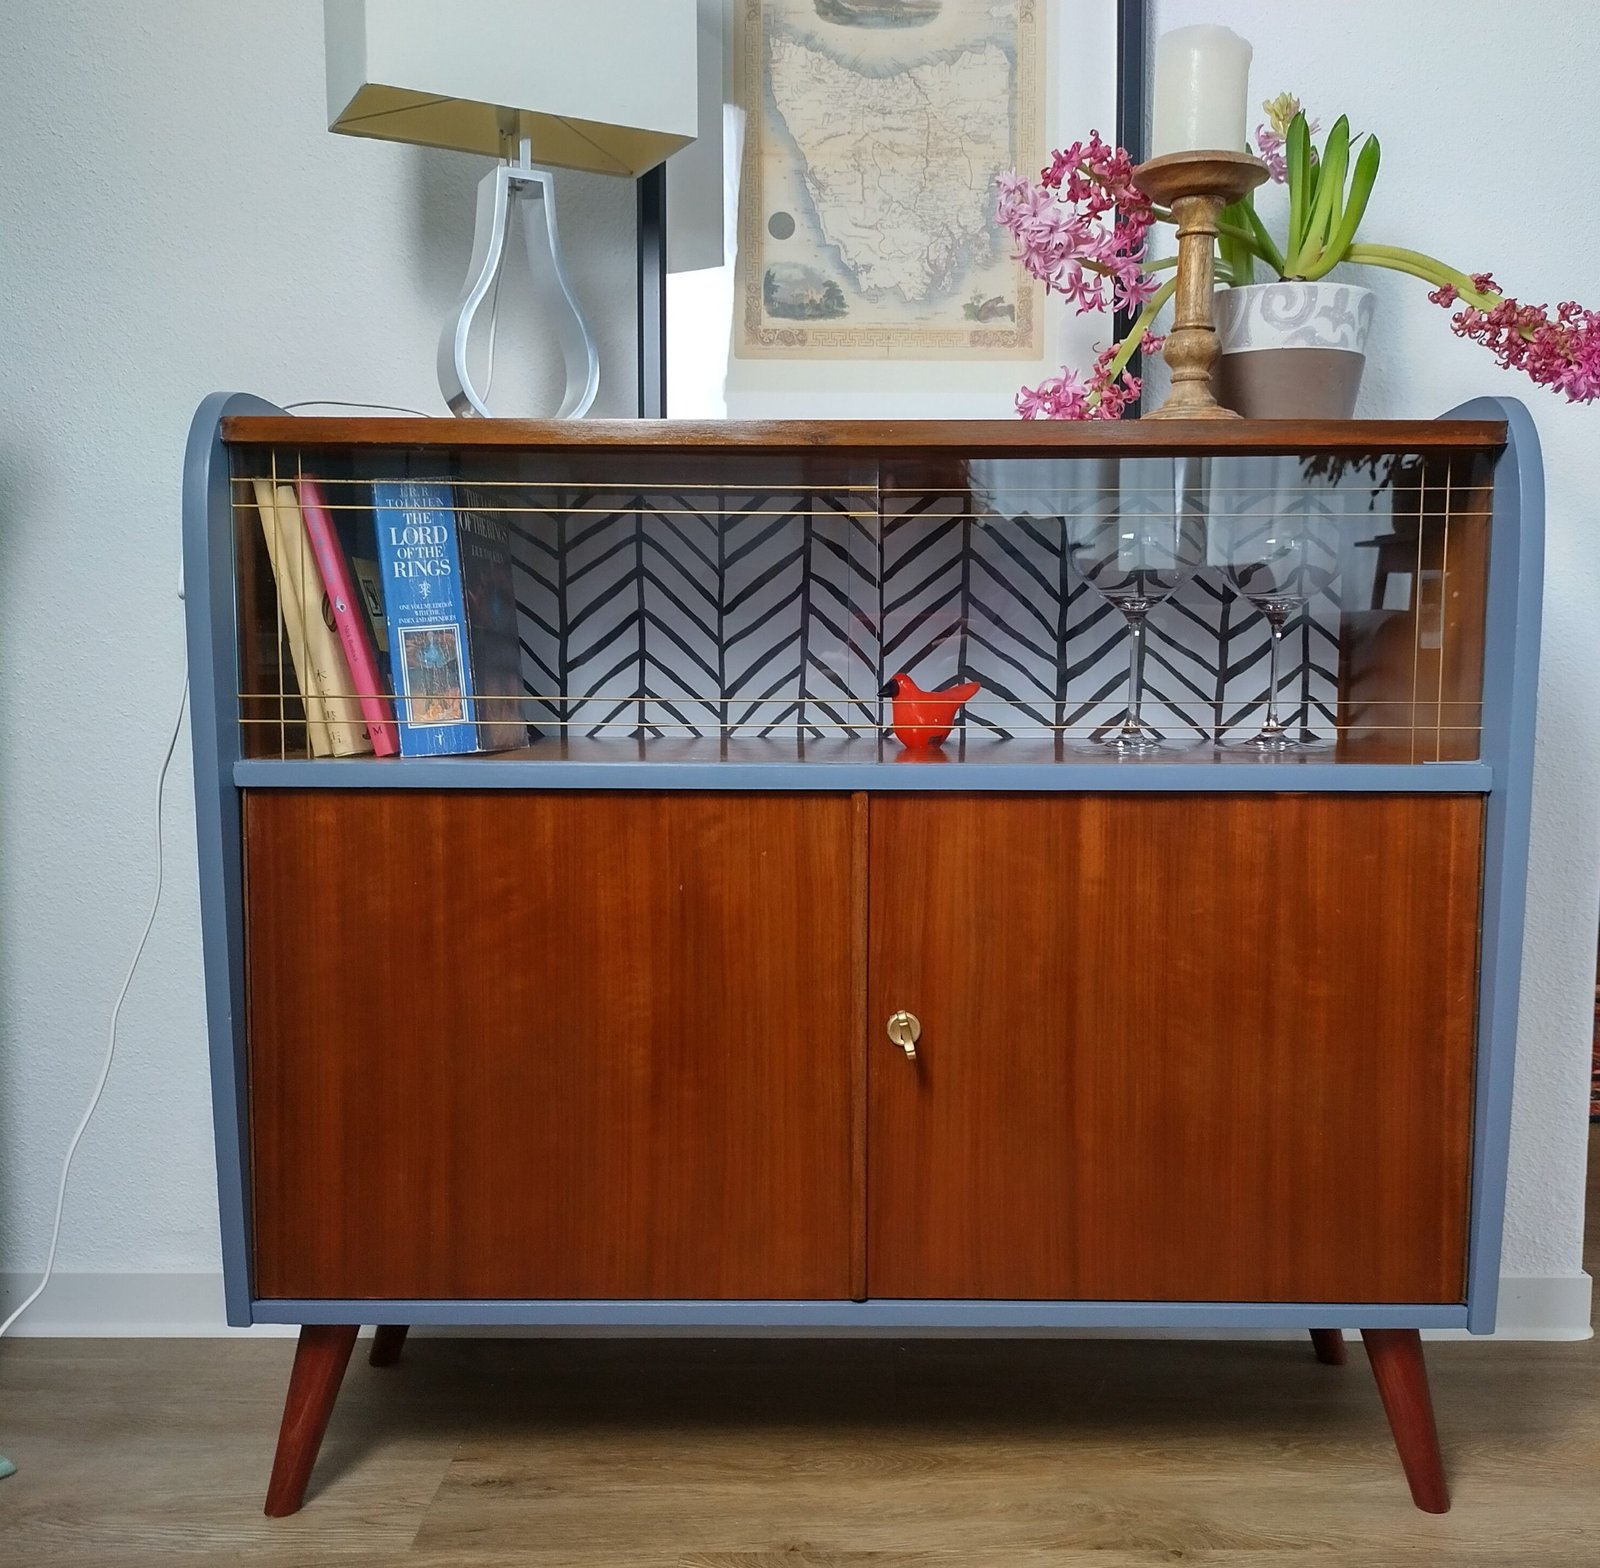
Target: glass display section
[(691, 603)]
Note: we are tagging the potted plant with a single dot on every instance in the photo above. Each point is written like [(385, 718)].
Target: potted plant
[(1292, 346)]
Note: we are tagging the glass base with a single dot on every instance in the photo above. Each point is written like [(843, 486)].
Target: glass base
[(1270, 741), (1132, 743)]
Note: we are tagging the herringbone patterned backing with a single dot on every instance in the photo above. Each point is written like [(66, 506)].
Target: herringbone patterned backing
[(784, 612)]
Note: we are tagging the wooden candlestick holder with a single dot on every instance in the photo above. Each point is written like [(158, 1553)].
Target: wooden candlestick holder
[(1196, 186)]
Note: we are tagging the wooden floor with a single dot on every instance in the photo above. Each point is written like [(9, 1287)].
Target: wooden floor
[(756, 1454)]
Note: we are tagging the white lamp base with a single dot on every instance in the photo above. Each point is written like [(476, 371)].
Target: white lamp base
[(533, 191)]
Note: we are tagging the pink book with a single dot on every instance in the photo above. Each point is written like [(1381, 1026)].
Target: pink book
[(349, 619)]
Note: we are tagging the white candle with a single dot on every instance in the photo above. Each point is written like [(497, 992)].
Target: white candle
[(1202, 83)]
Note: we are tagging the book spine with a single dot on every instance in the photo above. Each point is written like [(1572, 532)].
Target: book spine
[(426, 612), (291, 611), (325, 661), (348, 620)]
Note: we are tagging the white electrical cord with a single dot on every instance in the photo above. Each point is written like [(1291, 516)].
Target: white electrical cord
[(116, 1011), (155, 905)]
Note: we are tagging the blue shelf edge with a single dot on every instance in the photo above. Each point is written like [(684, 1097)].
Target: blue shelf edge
[(883, 1315), (1266, 776)]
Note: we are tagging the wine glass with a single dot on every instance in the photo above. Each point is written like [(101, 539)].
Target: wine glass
[(1134, 560), (1279, 564)]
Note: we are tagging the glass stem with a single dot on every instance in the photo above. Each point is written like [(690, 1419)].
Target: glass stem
[(1133, 725), (1275, 620)]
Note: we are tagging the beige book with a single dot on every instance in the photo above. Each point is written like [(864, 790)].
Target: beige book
[(330, 670), (291, 607)]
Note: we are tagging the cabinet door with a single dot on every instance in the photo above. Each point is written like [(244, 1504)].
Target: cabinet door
[(512, 1045), (1208, 1048)]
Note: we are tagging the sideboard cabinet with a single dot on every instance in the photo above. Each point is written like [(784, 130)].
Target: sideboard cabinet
[(715, 1006)]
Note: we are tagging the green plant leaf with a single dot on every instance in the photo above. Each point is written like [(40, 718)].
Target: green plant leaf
[(1319, 175), (1299, 242), (1235, 251), (1244, 263), (1269, 249), (1297, 157), (1328, 208), (1355, 208)]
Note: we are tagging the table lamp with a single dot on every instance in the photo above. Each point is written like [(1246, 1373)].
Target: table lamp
[(607, 86)]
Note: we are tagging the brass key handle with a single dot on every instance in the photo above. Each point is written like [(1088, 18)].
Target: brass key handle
[(905, 1031)]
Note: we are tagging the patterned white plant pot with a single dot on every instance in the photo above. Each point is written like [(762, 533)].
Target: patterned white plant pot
[(1292, 350)]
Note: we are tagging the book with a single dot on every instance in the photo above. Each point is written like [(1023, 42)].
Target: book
[(493, 644), (292, 615), (329, 670), (426, 611), (362, 680), (358, 538), (333, 721), (369, 589)]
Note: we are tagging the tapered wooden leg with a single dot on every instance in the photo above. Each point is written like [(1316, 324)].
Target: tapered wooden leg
[(1327, 1342), (1397, 1364), (319, 1363), (388, 1340)]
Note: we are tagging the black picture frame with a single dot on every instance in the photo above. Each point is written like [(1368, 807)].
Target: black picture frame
[(1132, 43), (651, 231), (651, 219)]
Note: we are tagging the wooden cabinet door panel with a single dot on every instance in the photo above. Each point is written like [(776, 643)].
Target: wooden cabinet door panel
[(552, 1045), (1192, 1048)]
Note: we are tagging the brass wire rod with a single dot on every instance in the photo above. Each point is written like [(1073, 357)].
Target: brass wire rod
[(866, 726), (867, 697), (333, 481), (1007, 519), (805, 488)]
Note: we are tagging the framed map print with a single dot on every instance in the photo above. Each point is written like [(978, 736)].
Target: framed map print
[(864, 272), (874, 130)]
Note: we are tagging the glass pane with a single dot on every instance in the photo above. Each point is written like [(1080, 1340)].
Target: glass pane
[(657, 603)]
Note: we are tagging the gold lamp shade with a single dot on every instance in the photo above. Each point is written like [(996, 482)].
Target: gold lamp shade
[(603, 85)]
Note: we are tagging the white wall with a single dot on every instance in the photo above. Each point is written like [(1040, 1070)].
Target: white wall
[(174, 219), (213, 235)]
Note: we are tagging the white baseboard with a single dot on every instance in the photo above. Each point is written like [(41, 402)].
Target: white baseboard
[(1543, 1307), (118, 1306), (181, 1306)]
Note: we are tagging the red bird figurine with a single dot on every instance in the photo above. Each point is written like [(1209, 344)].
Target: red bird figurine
[(924, 718)]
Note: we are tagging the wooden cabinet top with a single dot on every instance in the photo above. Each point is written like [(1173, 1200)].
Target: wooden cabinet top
[(1010, 437)]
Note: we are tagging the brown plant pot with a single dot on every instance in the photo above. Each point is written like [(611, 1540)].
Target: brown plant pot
[(1290, 383)]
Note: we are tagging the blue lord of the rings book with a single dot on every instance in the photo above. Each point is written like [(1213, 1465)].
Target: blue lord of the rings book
[(425, 607)]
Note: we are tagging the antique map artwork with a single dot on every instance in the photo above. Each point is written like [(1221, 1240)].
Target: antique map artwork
[(874, 131)]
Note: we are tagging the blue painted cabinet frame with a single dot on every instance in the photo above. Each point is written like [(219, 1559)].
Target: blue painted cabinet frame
[(1501, 774)]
